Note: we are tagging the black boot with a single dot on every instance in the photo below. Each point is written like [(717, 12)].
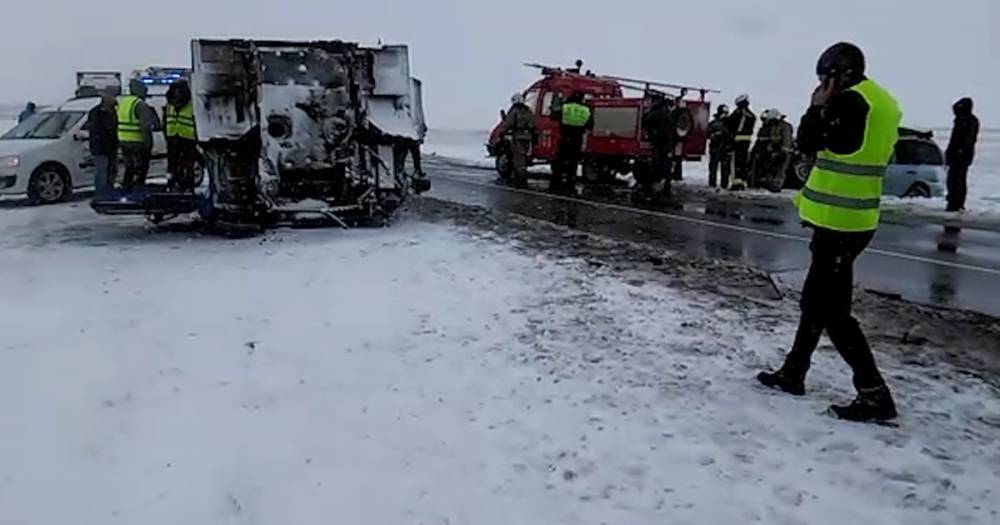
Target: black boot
[(793, 384), (871, 405)]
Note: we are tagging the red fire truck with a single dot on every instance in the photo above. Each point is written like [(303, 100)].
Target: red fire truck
[(617, 142)]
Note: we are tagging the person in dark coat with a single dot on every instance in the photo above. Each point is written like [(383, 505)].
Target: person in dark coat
[(838, 123), (519, 123), (720, 148), (742, 123), (575, 119), (960, 153), (28, 111), (102, 126), (661, 131)]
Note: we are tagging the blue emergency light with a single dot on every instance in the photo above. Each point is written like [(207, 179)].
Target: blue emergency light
[(160, 80)]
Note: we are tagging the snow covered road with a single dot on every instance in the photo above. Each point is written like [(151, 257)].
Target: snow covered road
[(432, 373)]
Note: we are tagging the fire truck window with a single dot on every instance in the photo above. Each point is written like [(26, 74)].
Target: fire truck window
[(531, 99), (615, 122), (547, 103)]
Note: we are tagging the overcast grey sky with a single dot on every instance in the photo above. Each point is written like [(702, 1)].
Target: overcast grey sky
[(469, 52)]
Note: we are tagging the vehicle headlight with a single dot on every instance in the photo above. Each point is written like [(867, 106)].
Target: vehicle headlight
[(10, 161)]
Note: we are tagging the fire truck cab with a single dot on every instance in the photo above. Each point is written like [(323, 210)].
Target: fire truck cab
[(617, 143)]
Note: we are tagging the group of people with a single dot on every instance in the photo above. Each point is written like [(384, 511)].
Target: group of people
[(730, 153), (766, 164), (851, 128), (574, 118), (127, 125)]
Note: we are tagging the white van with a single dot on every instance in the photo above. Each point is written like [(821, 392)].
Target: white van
[(47, 156)]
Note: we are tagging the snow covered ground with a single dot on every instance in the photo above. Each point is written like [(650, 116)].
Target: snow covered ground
[(984, 179), (432, 373)]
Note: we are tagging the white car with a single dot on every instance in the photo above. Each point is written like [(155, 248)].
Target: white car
[(47, 156)]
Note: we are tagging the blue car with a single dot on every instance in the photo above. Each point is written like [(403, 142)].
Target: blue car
[(916, 170)]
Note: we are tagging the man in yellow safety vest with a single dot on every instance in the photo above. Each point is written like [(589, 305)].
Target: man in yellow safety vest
[(182, 145), (575, 119), (852, 127), (136, 124)]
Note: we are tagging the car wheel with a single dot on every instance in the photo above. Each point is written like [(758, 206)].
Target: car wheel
[(49, 184), (917, 191)]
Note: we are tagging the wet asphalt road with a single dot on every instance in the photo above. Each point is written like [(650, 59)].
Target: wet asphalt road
[(906, 258)]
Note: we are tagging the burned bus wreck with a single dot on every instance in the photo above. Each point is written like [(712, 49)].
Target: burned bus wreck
[(300, 130)]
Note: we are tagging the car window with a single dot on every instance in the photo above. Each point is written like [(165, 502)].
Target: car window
[(917, 153), (47, 125), (21, 130)]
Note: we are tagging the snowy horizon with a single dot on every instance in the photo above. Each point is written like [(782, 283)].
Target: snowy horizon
[(470, 55)]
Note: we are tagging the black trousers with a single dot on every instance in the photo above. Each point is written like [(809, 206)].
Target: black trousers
[(958, 186), (741, 160), (182, 158), (719, 158), (663, 165), (826, 305), (136, 164), (567, 160)]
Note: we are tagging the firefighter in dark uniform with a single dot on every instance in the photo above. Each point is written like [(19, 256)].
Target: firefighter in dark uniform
[(852, 127), (682, 121), (741, 125), (575, 118), (771, 152), (661, 131), (519, 122), (182, 140), (759, 165), (720, 148), (783, 155)]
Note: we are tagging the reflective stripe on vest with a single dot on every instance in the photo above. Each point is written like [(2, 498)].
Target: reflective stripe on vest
[(129, 128), (843, 192), (739, 128), (180, 123), (576, 115)]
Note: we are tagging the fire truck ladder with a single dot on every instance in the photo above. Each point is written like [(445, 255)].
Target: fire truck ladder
[(628, 83)]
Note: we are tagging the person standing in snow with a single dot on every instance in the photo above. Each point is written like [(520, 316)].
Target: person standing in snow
[(574, 119), (960, 153), (136, 124), (28, 111), (720, 148), (102, 127), (661, 132), (519, 122), (741, 125), (771, 152), (181, 135), (852, 127)]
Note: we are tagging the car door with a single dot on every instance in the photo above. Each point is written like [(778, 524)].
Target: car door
[(69, 147), (79, 161)]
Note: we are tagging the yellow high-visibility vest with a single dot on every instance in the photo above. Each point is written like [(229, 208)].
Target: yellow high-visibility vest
[(575, 115), (180, 123), (843, 192), (129, 129)]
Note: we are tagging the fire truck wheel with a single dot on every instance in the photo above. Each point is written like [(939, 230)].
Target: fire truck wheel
[(596, 172)]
